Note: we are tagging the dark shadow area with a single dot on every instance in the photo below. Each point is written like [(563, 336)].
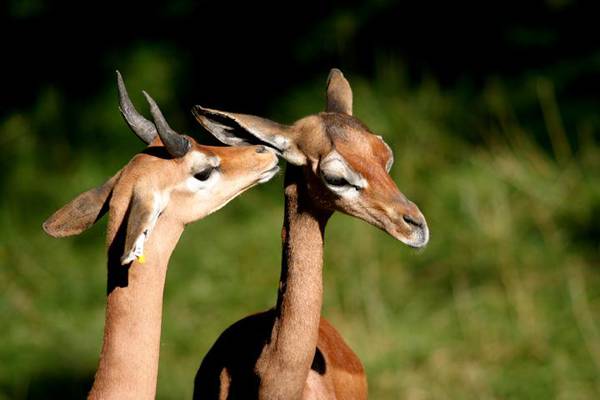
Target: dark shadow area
[(158, 152), (49, 384), (318, 364), (236, 351), (234, 356), (118, 275)]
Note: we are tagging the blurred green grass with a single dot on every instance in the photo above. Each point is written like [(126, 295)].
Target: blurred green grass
[(503, 303)]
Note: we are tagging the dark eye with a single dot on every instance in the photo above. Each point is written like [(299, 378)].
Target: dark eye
[(204, 174), (335, 180)]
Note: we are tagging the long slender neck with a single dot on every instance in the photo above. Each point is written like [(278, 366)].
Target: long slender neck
[(129, 360), (285, 362)]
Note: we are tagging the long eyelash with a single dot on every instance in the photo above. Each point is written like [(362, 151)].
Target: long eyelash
[(204, 174), (337, 181)]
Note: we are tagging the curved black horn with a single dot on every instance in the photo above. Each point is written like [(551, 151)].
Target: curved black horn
[(177, 145), (143, 128)]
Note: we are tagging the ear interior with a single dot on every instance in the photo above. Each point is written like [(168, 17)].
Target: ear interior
[(80, 213), (225, 128), (241, 129)]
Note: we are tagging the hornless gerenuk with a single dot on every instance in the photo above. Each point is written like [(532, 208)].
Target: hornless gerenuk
[(334, 164)]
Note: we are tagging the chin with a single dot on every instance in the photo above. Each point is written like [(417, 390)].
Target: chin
[(416, 240)]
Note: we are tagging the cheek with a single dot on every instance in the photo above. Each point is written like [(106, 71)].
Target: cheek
[(359, 208), (229, 187), (351, 194), (218, 193), (350, 203), (193, 197)]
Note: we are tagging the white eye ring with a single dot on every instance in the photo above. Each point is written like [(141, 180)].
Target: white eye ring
[(339, 177), (347, 191), (343, 189), (194, 184), (337, 181)]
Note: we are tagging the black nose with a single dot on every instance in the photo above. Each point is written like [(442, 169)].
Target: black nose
[(261, 149), (413, 221)]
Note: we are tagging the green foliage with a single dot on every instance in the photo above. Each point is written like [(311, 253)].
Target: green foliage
[(503, 303)]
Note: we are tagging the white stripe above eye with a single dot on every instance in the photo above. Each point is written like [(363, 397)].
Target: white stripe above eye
[(200, 162)]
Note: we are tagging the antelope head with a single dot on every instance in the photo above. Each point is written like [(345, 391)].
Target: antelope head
[(174, 178), (346, 167)]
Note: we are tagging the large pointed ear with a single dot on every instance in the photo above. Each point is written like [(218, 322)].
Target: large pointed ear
[(339, 93), (241, 129), (143, 213), (81, 212)]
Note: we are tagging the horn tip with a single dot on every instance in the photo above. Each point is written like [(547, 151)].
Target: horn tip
[(150, 100), (123, 96)]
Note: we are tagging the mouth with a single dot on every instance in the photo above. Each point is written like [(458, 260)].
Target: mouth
[(418, 238), (419, 232), (411, 233), (267, 175)]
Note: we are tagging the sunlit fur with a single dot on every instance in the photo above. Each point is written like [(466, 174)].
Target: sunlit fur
[(149, 202), (380, 202), (290, 352)]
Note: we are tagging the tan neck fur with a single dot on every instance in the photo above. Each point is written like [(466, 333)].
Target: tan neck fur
[(129, 359), (285, 361)]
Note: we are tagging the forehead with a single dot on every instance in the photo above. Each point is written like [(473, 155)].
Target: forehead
[(354, 141), (202, 151), (157, 159)]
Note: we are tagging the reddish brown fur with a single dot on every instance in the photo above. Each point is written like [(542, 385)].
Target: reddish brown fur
[(265, 355), (347, 375), (289, 352), (227, 370)]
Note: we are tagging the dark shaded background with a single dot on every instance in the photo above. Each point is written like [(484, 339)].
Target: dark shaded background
[(263, 50)]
